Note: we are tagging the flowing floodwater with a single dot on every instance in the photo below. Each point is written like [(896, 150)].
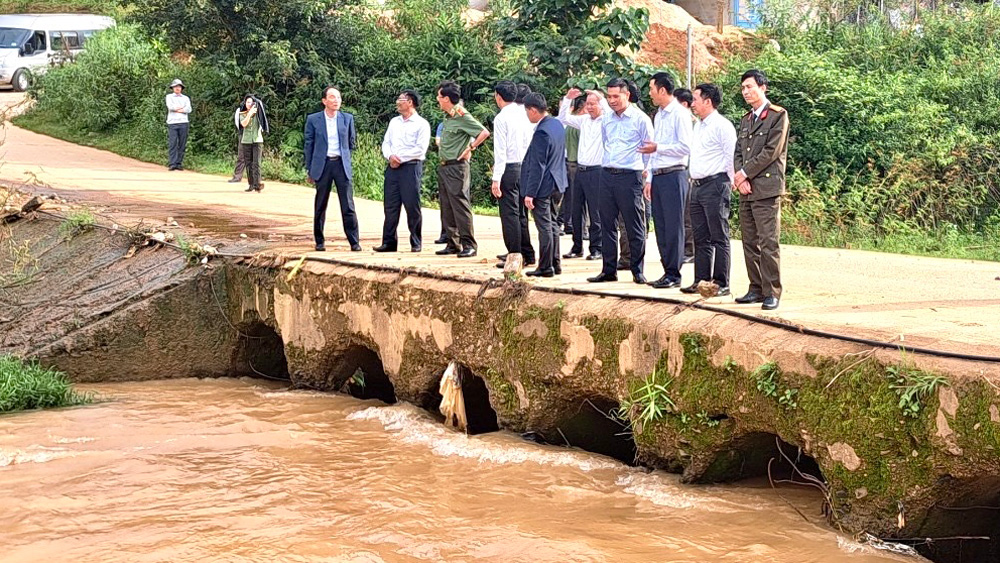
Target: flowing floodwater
[(235, 470)]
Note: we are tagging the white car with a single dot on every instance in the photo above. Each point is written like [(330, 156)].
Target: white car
[(30, 43)]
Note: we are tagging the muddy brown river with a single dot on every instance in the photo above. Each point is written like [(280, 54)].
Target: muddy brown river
[(240, 470)]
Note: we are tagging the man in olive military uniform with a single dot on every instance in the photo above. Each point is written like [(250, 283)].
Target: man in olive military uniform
[(759, 161)]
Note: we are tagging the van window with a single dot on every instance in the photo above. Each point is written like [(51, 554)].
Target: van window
[(86, 35), (65, 40), (12, 38), (36, 44)]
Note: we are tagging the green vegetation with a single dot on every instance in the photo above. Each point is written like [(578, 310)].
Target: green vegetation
[(913, 386), (26, 386), (77, 222), (649, 400)]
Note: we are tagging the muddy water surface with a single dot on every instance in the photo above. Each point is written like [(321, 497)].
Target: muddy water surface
[(229, 470)]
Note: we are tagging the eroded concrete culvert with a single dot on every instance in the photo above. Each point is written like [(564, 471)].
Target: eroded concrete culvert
[(478, 411), (966, 522), (360, 373)]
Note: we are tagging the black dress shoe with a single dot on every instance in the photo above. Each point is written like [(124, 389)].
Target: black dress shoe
[(501, 265), (260, 187), (540, 273), (320, 248), (602, 277), (624, 266), (446, 250), (415, 249), (529, 261), (441, 240), (770, 304), (250, 189), (573, 254), (750, 297), (384, 248), (355, 248), (693, 288), (557, 271), (467, 252), (501, 256), (639, 278), (665, 283), (594, 256), (723, 291), (235, 180)]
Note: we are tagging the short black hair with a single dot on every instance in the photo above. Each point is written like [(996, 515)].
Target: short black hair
[(684, 96), (507, 90), (536, 101), (522, 91), (758, 76), (634, 94), (664, 80), (578, 103), (328, 88), (412, 95), (451, 90), (617, 83), (710, 92)]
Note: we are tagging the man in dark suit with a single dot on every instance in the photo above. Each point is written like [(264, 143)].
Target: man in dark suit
[(543, 181), (330, 138), (761, 150)]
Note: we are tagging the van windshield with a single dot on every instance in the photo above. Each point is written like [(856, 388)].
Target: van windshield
[(12, 38)]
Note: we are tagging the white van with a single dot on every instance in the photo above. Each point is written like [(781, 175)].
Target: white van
[(29, 43)]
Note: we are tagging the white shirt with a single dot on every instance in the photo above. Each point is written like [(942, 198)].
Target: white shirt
[(512, 133), (408, 139), (332, 135), (177, 102), (713, 147), (758, 111), (672, 135), (591, 150), (623, 135)]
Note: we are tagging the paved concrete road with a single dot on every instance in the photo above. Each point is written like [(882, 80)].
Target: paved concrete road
[(929, 302)]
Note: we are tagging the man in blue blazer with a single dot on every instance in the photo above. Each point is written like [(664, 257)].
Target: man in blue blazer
[(330, 138), (543, 181)]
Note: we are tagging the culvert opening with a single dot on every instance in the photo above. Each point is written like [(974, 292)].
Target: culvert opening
[(967, 512), (762, 454), (479, 414), (359, 373), (595, 427), (259, 352)]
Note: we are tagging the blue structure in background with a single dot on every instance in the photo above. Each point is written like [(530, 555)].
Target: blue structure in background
[(745, 13)]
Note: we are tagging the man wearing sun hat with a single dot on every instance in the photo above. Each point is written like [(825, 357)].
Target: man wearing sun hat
[(178, 108)]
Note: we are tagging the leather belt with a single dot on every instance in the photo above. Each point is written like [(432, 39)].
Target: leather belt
[(668, 170), (333, 158), (709, 179), (610, 170), (582, 168), (450, 162)]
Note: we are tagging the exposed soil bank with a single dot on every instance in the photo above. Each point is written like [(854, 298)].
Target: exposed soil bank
[(741, 394)]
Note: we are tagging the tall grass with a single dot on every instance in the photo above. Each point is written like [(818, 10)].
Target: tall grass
[(27, 385)]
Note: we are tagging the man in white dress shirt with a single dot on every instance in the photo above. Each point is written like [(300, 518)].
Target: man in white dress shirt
[(589, 158), (178, 108), (666, 180), (404, 148), (511, 136), (711, 182)]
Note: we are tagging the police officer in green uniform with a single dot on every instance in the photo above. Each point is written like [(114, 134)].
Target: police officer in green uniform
[(759, 161)]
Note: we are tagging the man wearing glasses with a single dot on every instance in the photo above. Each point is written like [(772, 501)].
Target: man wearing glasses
[(404, 148)]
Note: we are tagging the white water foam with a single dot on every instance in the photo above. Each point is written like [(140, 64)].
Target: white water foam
[(657, 489), (34, 455), (414, 427)]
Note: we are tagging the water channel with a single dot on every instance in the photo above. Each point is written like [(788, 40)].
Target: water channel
[(245, 470)]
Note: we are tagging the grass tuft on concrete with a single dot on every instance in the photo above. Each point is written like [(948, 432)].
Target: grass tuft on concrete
[(27, 385)]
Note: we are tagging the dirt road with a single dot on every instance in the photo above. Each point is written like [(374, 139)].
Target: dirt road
[(927, 302)]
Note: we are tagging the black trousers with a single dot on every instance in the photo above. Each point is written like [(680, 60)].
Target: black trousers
[(587, 186), (710, 203), (566, 205), (514, 215), (334, 174), (241, 164), (456, 205), (546, 213), (250, 153), (177, 138), (669, 196), (688, 229), (622, 193), (402, 189)]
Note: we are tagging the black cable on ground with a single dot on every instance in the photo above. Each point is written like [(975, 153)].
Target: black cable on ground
[(589, 292)]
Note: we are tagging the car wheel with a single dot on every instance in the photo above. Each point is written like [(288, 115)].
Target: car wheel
[(21, 80)]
